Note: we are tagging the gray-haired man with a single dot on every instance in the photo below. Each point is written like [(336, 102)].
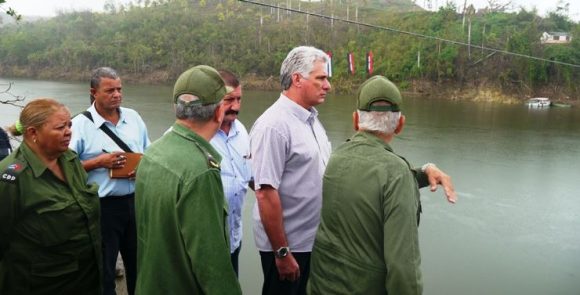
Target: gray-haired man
[(290, 151), (181, 211)]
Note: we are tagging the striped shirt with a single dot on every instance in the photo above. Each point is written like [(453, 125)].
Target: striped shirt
[(236, 173)]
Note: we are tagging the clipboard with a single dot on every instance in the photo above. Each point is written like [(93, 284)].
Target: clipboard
[(132, 160)]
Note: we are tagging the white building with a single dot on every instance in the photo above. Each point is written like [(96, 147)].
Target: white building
[(555, 38)]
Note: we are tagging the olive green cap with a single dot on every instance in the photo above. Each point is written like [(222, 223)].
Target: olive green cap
[(378, 88), (202, 81)]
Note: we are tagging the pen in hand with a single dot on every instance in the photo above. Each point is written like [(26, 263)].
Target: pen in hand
[(117, 160)]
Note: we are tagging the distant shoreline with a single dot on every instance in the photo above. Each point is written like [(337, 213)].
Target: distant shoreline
[(476, 91)]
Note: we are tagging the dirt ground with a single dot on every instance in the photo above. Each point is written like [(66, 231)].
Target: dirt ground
[(120, 283), (121, 286)]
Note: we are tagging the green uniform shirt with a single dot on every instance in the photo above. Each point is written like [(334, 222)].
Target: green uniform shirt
[(367, 241), (181, 215), (50, 239)]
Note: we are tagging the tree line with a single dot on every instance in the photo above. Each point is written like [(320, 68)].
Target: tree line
[(155, 40)]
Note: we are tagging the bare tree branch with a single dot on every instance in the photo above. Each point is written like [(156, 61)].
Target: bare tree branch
[(498, 5), (12, 99)]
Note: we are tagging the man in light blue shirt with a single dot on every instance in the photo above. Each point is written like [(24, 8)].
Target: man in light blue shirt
[(98, 153), (233, 143)]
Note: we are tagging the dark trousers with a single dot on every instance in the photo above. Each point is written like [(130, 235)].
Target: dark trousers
[(272, 283), (235, 259), (119, 233)]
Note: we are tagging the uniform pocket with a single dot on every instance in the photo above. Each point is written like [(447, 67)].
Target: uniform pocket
[(57, 223)]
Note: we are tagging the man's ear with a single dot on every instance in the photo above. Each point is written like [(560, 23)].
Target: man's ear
[(220, 113), (92, 91), (355, 120), (400, 125), (297, 79)]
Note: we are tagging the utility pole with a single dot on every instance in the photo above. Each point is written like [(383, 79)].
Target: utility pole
[(464, 11), (356, 13), (469, 38), (482, 38), (347, 12), (419, 58)]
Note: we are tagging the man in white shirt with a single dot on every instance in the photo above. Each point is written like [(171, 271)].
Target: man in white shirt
[(233, 143)]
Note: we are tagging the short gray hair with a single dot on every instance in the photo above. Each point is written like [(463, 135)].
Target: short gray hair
[(382, 122), (98, 74), (300, 60), (185, 110), (102, 72)]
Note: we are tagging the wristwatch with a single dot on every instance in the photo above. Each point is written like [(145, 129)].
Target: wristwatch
[(282, 252)]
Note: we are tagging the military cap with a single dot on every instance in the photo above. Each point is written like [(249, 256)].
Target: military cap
[(378, 88), (202, 81)]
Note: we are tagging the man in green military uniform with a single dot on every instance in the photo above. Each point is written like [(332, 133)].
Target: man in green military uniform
[(183, 245), (367, 241)]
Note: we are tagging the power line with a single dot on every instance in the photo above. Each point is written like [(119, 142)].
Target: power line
[(410, 33)]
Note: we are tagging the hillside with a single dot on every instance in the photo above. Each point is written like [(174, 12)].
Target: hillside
[(156, 40), (393, 5)]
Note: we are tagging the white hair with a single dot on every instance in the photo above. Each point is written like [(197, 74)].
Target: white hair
[(383, 122), (300, 60)]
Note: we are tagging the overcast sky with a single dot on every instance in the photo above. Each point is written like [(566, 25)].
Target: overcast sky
[(51, 7)]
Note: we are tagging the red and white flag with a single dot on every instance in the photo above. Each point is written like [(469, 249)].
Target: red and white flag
[(350, 58), (329, 64), (370, 62)]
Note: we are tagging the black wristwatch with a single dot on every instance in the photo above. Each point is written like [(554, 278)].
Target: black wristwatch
[(282, 252)]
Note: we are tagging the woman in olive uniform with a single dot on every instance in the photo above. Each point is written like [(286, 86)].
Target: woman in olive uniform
[(49, 217)]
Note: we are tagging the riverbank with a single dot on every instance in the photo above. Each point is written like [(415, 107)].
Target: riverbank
[(476, 91)]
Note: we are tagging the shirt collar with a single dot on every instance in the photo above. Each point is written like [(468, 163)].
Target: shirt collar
[(188, 134), (366, 136), (36, 164), (304, 115), (234, 130), (99, 120)]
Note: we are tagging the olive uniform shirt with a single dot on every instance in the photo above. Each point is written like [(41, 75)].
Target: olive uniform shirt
[(367, 242), (183, 245), (50, 239)]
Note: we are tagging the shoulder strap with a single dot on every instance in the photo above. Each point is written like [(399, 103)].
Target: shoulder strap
[(211, 162), (88, 115), (110, 133)]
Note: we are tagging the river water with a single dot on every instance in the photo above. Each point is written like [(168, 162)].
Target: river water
[(516, 226)]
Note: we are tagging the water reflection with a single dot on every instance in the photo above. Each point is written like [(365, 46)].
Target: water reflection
[(515, 227)]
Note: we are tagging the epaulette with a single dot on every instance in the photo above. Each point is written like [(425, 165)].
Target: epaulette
[(212, 163), (10, 174)]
